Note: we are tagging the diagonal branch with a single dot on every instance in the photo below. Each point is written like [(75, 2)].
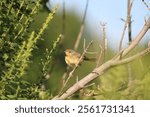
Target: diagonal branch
[(101, 69), (129, 59)]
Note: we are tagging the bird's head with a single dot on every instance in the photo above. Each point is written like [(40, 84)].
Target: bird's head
[(68, 52)]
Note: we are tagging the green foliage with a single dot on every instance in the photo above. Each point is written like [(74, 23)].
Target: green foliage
[(48, 57), (16, 17), (17, 43)]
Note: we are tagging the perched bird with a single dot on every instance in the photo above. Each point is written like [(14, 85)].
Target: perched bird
[(72, 58)]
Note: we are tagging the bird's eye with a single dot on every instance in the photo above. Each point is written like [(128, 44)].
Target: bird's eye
[(69, 51)]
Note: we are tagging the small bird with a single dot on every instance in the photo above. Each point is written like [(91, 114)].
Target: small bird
[(72, 58)]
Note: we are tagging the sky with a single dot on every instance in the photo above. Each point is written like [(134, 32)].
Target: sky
[(110, 12)]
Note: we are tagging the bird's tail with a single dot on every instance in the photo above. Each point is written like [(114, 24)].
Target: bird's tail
[(89, 59)]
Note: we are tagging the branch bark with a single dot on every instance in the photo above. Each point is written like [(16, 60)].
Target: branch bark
[(127, 24), (138, 38)]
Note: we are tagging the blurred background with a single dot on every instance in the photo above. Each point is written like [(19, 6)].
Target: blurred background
[(109, 12)]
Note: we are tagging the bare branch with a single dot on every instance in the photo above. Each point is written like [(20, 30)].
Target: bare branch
[(63, 21), (122, 36), (100, 56), (146, 4), (64, 76), (127, 24), (138, 38), (129, 75), (129, 59), (129, 20), (81, 28), (89, 85), (129, 6), (63, 36), (101, 69), (148, 44), (103, 46)]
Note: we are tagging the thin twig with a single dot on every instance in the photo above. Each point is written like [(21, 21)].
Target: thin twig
[(100, 56), (103, 46), (63, 22), (146, 4), (81, 28), (129, 6), (122, 36), (127, 23), (148, 45), (75, 67), (129, 59), (63, 36), (89, 85), (64, 76), (129, 75), (129, 20)]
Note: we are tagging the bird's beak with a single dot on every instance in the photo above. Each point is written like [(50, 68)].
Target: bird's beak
[(65, 51)]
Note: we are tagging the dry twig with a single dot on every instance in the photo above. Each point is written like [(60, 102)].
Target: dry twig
[(127, 24), (63, 21), (81, 28), (63, 36), (146, 4), (103, 46)]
